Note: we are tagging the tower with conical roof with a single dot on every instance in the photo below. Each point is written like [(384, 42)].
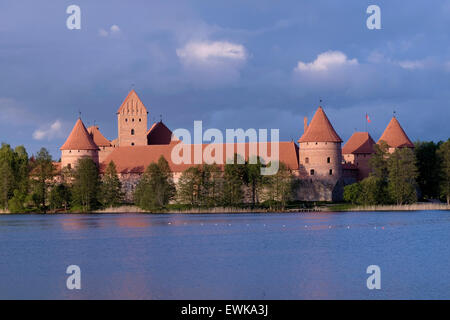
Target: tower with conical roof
[(132, 121), (395, 136), (357, 151), (320, 154), (79, 144)]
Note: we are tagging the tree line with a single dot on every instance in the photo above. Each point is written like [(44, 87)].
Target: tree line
[(34, 185), (208, 186), (405, 176)]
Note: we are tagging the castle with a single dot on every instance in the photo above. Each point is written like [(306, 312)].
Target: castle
[(322, 166)]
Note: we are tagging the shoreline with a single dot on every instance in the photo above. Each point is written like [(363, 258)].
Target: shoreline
[(224, 210)]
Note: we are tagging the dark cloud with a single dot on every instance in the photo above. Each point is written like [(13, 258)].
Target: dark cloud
[(49, 73)]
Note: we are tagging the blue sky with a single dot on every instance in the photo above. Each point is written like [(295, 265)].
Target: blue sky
[(232, 64)]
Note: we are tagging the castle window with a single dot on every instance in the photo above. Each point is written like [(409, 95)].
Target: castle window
[(139, 120), (331, 172), (312, 172), (328, 160), (317, 143), (132, 132), (132, 143), (306, 160), (132, 120), (126, 120)]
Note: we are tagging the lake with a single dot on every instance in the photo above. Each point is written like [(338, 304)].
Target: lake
[(229, 256)]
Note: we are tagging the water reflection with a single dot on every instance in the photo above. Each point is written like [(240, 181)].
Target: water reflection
[(248, 256)]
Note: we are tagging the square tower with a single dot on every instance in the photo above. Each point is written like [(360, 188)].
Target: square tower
[(132, 121)]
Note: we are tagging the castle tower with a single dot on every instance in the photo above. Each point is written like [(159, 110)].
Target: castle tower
[(104, 145), (395, 136), (79, 144), (320, 153), (357, 151), (132, 121)]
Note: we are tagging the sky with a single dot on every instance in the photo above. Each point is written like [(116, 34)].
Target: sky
[(232, 64)]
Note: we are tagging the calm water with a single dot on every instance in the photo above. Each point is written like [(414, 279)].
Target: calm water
[(267, 256)]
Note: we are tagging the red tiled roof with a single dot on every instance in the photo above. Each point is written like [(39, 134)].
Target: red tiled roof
[(132, 102), (395, 136), (135, 159), (320, 129), (159, 134), (359, 142), (98, 137), (79, 139)]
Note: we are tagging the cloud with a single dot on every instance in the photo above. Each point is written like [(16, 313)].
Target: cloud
[(412, 64), (114, 29), (208, 64), (326, 61), (212, 52), (54, 131)]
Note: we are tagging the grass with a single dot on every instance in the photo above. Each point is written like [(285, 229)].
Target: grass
[(406, 207)]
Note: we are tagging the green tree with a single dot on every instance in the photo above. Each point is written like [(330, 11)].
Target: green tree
[(378, 161), (43, 173), (86, 184), (444, 157), (235, 177), (353, 193), (111, 187), (402, 176), (428, 166), (189, 186), (156, 187), (200, 186), (60, 197), (7, 181), (280, 187), (21, 171), (254, 177)]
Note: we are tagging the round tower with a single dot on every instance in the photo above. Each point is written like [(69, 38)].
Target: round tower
[(132, 122), (79, 144), (320, 154)]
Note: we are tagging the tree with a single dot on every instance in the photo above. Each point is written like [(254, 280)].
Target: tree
[(156, 187), (189, 186), (254, 177), (353, 193), (428, 166), (402, 176), (86, 184), (7, 181), (378, 161), (60, 197), (200, 186), (111, 187), (444, 157), (280, 187), (43, 173), (235, 176)]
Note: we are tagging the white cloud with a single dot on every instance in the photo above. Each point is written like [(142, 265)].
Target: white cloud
[(210, 52), (326, 61), (49, 133), (209, 64), (412, 65), (114, 29)]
